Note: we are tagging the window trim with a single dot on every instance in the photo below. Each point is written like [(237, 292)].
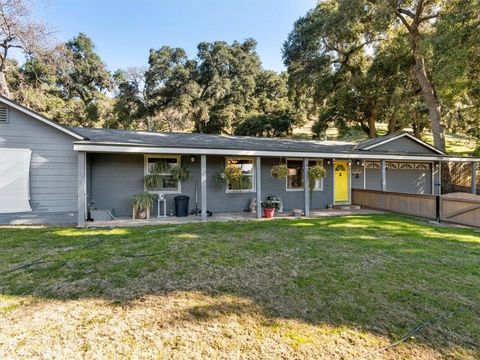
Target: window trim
[(254, 175), (161, 156), (318, 183)]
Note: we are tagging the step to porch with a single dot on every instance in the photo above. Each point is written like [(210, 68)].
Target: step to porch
[(347, 207)]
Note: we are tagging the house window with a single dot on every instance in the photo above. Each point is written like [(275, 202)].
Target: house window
[(295, 175), (247, 182), (161, 165)]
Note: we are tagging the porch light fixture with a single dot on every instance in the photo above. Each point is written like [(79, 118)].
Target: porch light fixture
[(329, 162), (192, 159)]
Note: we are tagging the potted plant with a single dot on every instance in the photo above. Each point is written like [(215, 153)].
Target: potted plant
[(142, 203), (268, 209), (279, 171)]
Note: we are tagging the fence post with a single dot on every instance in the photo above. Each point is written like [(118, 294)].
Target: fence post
[(474, 177), (437, 207)]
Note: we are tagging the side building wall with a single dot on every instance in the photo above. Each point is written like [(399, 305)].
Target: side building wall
[(53, 170)]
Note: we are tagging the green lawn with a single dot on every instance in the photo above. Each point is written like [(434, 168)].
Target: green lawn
[(322, 288)]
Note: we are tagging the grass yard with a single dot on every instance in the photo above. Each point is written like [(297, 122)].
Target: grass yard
[(323, 288)]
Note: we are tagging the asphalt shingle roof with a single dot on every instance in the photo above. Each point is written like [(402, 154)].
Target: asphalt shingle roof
[(369, 142), (208, 141)]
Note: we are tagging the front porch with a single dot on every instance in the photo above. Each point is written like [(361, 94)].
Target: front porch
[(223, 217)]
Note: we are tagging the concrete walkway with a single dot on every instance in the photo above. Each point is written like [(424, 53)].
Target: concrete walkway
[(222, 217)]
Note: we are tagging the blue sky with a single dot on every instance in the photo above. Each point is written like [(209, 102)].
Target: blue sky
[(124, 31)]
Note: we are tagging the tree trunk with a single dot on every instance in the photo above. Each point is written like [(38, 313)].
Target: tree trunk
[(149, 124), (372, 122), (429, 95), (4, 91), (393, 126)]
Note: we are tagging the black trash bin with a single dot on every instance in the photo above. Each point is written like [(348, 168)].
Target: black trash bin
[(181, 205)]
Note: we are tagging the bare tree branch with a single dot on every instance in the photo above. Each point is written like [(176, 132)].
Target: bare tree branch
[(18, 31)]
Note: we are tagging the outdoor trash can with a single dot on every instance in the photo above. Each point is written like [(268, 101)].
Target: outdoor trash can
[(181, 205)]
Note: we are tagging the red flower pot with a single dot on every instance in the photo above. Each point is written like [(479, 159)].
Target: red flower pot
[(269, 213)]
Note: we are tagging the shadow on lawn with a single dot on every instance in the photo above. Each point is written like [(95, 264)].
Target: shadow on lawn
[(383, 274)]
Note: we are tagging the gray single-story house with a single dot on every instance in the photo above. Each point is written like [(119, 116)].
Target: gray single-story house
[(54, 174)]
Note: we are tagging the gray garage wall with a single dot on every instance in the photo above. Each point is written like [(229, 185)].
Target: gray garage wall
[(53, 170), (114, 178), (406, 181)]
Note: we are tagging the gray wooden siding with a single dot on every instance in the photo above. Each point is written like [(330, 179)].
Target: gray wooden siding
[(115, 178), (404, 144), (53, 170), (404, 181)]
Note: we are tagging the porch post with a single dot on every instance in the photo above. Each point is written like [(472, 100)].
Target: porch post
[(384, 175), (474, 177), (203, 186), (82, 187), (258, 174), (306, 187)]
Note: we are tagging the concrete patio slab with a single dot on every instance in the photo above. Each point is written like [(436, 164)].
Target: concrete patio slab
[(222, 217)]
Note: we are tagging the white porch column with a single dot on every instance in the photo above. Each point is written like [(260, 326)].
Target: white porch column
[(258, 178), (82, 188), (203, 185), (474, 177), (306, 187), (383, 169)]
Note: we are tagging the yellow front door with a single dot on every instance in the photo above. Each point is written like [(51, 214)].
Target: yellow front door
[(341, 181)]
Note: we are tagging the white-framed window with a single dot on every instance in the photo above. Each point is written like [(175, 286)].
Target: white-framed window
[(247, 182), (294, 181), (168, 185)]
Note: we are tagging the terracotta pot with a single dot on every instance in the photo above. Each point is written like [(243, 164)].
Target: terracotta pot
[(268, 213)]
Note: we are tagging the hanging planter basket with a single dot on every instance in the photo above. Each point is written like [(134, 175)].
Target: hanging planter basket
[(315, 173), (279, 171)]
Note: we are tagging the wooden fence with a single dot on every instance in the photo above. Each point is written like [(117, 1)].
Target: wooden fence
[(461, 208), (457, 208)]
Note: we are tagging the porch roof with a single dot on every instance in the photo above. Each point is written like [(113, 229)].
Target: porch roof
[(126, 141)]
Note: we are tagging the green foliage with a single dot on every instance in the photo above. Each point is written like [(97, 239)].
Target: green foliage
[(269, 204), (456, 64), (476, 152), (144, 200), (236, 179), (233, 173), (274, 125), (180, 173), (86, 75), (152, 181), (315, 172), (279, 171)]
